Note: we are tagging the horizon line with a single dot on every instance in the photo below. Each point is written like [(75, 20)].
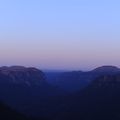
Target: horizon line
[(58, 69)]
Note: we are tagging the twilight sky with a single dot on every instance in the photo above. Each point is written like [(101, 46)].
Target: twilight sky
[(60, 34)]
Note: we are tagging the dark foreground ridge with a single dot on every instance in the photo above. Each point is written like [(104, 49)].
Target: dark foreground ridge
[(6, 113)]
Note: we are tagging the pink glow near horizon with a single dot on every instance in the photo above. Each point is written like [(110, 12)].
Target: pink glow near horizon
[(60, 35)]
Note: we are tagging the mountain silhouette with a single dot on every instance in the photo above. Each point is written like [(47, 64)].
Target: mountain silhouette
[(99, 101), (20, 74), (107, 69), (26, 90), (75, 80)]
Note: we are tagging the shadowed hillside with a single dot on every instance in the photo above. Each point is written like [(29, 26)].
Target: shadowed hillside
[(76, 80), (7, 113), (26, 90), (99, 101)]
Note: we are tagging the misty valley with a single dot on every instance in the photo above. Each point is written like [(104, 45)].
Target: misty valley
[(27, 93)]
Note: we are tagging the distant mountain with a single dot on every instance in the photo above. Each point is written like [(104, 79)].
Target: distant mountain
[(20, 74), (107, 69), (76, 80), (96, 93), (99, 101), (26, 90)]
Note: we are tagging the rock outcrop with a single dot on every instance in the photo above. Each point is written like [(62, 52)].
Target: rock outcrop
[(20, 75)]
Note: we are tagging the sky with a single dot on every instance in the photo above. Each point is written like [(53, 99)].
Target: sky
[(60, 34)]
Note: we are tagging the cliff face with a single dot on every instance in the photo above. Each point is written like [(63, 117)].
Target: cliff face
[(19, 75), (26, 90), (108, 82)]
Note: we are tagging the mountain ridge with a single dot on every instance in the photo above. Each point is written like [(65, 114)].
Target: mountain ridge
[(98, 101), (75, 80), (106, 68)]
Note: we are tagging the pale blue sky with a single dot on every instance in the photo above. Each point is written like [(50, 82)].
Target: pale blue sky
[(60, 34)]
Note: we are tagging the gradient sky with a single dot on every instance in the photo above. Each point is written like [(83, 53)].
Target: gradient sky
[(60, 34)]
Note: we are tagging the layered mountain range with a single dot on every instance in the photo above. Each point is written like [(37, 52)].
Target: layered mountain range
[(99, 101), (76, 80), (93, 95)]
